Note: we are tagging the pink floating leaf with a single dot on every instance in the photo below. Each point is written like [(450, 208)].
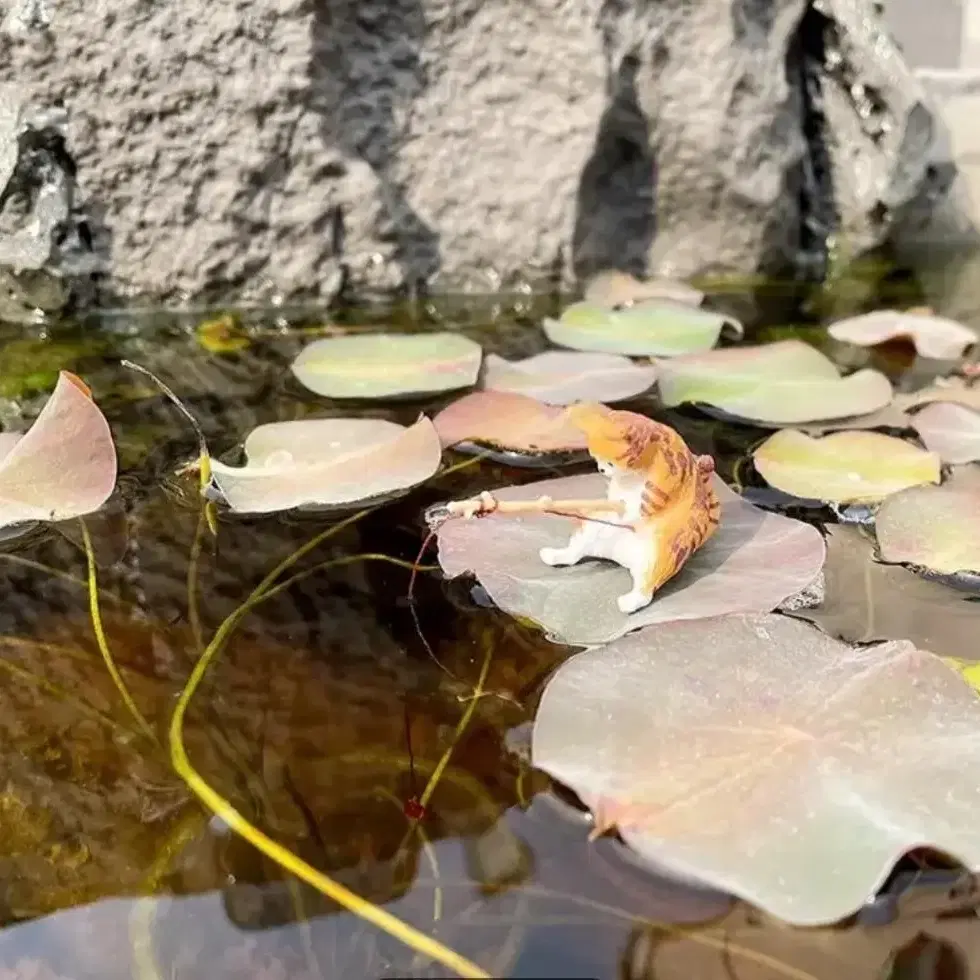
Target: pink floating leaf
[(564, 377), (64, 466), (951, 430), (935, 528), (760, 756), (509, 421), (933, 336), (752, 563), (327, 462)]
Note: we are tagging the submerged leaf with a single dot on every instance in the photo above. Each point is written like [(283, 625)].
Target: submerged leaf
[(386, 365), (752, 562), (564, 377), (783, 383), (866, 601), (64, 466), (936, 528), (509, 421), (760, 756), (933, 336), (844, 467), (655, 327), (951, 430), (327, 462), (614, 288)]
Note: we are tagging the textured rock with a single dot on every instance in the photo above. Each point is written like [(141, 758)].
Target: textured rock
[(254, 149)]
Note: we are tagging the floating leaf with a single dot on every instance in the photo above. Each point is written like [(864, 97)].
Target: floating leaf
[(386, 365), (951, 430), (783, 383), (752, 562), (935, 528), (614, 288), (564, 377), (959, 391), (933, 336), (222, 335), (508, 421), (655, 327), (64, 466), (760, 756), (866, 601), (327, 462), (844, 467)]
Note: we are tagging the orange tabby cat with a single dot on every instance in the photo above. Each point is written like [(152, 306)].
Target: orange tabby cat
[(671, 508)]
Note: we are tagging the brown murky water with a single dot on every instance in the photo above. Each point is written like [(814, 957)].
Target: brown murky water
[(325, 716)]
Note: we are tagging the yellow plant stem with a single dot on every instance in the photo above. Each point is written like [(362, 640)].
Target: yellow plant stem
[(100, 638), (411, 937), (141, 919)]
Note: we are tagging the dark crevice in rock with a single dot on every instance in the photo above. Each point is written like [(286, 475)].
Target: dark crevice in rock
[(818, 217), (52, 252)]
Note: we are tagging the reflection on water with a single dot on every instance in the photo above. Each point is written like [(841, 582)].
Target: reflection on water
[(323, 718)]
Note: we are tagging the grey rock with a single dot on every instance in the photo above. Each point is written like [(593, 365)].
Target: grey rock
[(887, 147), (41, 245), (249, 150)]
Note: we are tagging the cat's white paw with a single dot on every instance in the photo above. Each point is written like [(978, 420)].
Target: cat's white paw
[(557, 556), (633, 601)]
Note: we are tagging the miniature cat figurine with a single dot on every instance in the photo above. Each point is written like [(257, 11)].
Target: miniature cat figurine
[(671, 508)]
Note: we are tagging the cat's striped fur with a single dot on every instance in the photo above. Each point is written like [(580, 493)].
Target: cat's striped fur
[(679, 508)]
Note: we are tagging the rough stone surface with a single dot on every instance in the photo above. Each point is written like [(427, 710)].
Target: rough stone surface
[(254, 149)]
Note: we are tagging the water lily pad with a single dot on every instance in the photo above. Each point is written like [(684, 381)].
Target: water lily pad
[(784, 383), (388, 365), (327, 462), (935, 528), (844, 467), (509, 421), (951, 430), (753, 561), (760, 756), (652, 328), (564, 377), (958, 391), (614, 288), (64, 466), (933, 336), (866, 600)]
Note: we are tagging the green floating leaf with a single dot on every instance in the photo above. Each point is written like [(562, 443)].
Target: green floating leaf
[(327, 462), (951, 430), (388, 365), (760, 756), (935, 528), (657, 327), (844, 467), (784, 383)]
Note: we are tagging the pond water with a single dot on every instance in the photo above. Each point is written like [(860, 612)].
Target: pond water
[(327, 715)]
